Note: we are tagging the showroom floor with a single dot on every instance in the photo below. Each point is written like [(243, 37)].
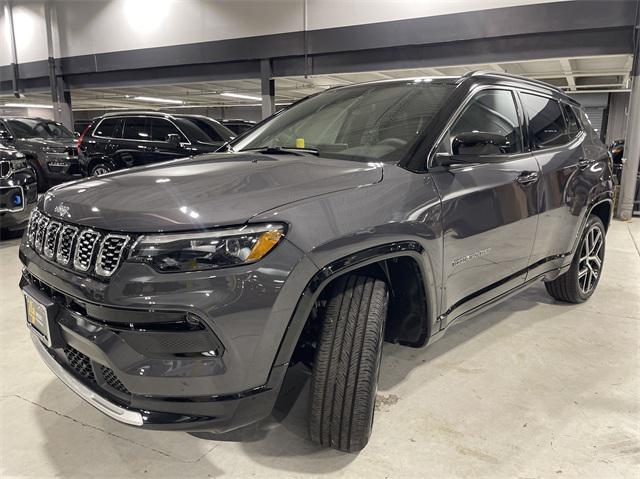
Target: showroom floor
[(529, 389)]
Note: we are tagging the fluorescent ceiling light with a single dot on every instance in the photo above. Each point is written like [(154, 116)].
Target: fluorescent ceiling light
[(27, 105), (245, 97), (158, 100)]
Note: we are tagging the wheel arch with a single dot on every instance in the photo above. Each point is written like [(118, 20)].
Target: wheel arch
[(412, 306)]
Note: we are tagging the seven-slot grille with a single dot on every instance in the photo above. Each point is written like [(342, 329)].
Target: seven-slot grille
[(85, 249)]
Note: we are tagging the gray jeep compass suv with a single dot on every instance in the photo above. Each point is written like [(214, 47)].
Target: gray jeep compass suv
[(176, 295)]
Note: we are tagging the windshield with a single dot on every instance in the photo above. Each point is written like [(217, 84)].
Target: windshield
[(367, 122), (34, 128)]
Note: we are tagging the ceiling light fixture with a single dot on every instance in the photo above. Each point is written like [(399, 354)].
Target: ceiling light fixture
[(27, 105), (158, 100), (244, 97)]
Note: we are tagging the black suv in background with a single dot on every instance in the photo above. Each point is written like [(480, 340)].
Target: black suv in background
[(238, 127), (121, 140), (49, 147), (18, 189)]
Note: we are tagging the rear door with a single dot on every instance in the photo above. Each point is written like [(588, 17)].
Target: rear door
[(135, 147), (489, 211), (557, 140)]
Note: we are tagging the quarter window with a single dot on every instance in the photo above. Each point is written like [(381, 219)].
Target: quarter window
[(573, 126), (136, 128), (489, 126), (547, 125)]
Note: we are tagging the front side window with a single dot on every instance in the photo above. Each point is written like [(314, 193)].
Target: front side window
[(136, 128), (161, 129), (547, 127), (109, 128), (488, 126), (375, 122)]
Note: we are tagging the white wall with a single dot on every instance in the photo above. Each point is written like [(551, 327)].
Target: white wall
[(99, 26)]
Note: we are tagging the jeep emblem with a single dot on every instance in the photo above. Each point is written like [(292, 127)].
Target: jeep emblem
[(61, 210)]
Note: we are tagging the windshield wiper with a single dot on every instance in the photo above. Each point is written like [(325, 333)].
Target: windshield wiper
[(283, 150)]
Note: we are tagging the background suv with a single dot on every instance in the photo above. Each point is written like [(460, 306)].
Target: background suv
[(50, 148), (177, 295), (18, 190), (121, 140)]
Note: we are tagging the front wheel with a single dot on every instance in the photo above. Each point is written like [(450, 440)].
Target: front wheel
[(345, 372), (100, 169), (578, 284)]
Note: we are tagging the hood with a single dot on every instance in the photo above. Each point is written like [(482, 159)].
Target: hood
[(49, 142), (203, 191)]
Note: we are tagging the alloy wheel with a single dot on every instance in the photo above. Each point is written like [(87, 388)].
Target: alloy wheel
[(100, 170), (590, 262)]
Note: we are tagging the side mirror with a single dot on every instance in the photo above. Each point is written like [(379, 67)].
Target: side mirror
[(480, 143), (173, 139)]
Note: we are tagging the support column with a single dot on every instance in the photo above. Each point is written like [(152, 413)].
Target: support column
[(632, 142), (268, 89), (60, 94)]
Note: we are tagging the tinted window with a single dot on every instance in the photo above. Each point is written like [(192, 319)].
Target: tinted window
[(161, 128), (34, 128), (573, 126), (109, 128), (546, 124), (136, 128), (489, 125), (207, 128), (365, 122)]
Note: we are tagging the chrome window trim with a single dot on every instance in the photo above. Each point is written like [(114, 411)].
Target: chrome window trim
[(17, 209), (124, 117), (98, 267), (76, 263)]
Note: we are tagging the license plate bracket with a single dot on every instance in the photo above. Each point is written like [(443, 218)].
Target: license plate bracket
[(41, 313)]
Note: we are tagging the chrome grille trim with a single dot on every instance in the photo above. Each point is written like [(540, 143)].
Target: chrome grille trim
[(65, 244), (85, 249), (43, 221), (51, 239), (33, 227), (110, 254)]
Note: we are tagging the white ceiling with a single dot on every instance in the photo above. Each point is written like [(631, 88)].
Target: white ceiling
[(576, 75)]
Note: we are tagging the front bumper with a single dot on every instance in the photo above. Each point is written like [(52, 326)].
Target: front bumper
[(61, 167), (106, 344), (14, 217)]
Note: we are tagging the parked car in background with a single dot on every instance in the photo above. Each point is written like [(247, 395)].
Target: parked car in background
[(617, 153), (177, 295), (49, 147), (18, 190), (238, 127), (124, 139), (80, 125)]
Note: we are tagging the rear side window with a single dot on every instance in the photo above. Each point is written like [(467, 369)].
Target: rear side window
[(489, 125), (161, 129), (573, 125), (109, 128), (136, 128), (207, 128), (547, 126)]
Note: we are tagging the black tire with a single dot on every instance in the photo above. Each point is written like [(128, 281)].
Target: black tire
[(571, 286), (41, 180), (100, 168), (345, 372)]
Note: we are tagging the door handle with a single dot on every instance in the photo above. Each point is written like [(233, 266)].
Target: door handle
[(583, 163), (526, 178)]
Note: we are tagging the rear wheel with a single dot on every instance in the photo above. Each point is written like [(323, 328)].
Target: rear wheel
[(578, 284), (345, 372)]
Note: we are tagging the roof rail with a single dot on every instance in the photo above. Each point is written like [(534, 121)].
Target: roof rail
[(137, 112), (514, 77)]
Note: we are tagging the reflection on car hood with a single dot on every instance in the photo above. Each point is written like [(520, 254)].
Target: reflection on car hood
[(51, 142), (203, 191)]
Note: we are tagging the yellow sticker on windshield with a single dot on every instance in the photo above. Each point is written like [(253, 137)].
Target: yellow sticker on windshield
[(299, 142)]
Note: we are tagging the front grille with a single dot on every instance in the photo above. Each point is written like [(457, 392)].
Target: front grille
[(80, 363), (86, 250), (112, 380), (5, 169)]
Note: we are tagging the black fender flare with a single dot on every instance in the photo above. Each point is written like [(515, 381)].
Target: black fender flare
[(342, 266)]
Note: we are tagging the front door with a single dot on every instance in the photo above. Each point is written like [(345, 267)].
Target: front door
[(488, 188)]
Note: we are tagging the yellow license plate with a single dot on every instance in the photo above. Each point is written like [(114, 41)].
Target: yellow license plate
[(37, 318)]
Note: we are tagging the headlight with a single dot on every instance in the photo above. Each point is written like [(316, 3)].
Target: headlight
[(212, 249)]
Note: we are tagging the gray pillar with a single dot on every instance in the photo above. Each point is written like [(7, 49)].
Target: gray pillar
[(60, 94), (268, 89), (632, 143), (62, 104)]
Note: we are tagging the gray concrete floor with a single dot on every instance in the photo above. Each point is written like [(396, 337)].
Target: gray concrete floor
[(529, 389)]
